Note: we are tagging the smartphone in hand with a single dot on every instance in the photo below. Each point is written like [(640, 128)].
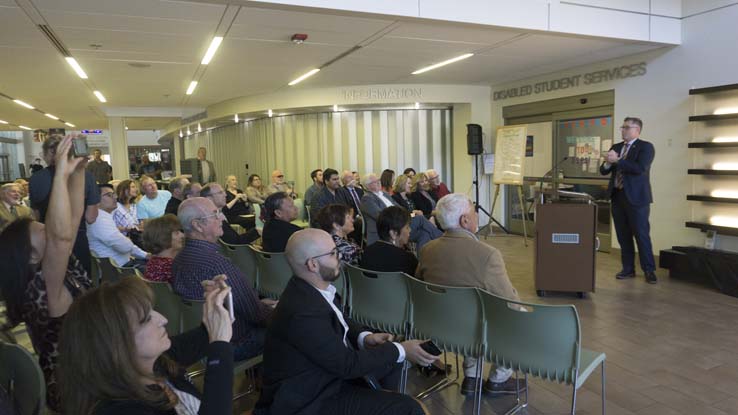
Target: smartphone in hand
[(228, 304), (431, 348)]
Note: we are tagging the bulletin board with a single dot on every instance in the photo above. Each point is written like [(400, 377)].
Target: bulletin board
[(510, 154)]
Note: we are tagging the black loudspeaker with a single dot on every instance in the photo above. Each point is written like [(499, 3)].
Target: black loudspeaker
[(474, 143)]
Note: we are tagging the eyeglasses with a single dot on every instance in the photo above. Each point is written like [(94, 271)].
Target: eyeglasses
[(333, 252), (109, 194), (217, 214)]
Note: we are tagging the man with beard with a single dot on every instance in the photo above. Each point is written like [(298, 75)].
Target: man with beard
[(316, 358)]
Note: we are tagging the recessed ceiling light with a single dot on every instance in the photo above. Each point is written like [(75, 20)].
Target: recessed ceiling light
[(335, 107), (23, 104), (305, 76), (188, 131), (100, 96), (3, 122), (417, 105), (191, 88), (444, 63), (73, 63), (25, 128), (199, 128), (126, 128), (70, 124), (270, 113), (53, 117), (235, 118), (211, 50), (180, 134)]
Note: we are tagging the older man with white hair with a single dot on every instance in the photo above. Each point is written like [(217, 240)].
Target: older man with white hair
[(438, 188), (375, 201), (459, 258), (11, 207)]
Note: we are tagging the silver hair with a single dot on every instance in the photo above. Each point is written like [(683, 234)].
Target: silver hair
[(368, 178), (450, 209), (188, 211)]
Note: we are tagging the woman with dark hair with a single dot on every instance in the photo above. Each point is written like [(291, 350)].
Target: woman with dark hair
[(126, 216), (115, 356), (388, 254), (387, 179), (421, 195), (163, 237), (409, 172), (256, 192), (237, 204), (39, 276), (403, 189), (338, 220)]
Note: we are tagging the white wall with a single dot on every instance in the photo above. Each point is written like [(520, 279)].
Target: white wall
[(142, 137), (706, 58)]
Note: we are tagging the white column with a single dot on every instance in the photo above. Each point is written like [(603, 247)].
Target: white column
[(118, 147)]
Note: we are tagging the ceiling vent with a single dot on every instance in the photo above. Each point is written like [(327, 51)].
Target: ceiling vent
[(49, 33)]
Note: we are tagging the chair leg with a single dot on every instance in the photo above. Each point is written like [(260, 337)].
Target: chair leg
[(478, 385), (603, 387), (574, 398), (518, 405), (442, 384)]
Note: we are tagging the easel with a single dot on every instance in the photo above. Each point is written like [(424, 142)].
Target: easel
[(522, 205)]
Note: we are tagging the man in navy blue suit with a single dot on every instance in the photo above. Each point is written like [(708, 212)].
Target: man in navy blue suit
[(628, 164)]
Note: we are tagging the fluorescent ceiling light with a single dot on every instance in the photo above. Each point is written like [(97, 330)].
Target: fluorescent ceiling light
[(100, 96), (191, 88), (444, 63), (726, 110), (725, 140), (211, 50), (70, 124), (305, 76), (270, 113), (729, 221), (25, 128), (724, 193), (23, 104), (3, 122), (53, 117), (725, 166), (73, 63)]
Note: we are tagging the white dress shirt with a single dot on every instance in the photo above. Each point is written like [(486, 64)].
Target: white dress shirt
[(387, 202), (330, 295), (106, 241)]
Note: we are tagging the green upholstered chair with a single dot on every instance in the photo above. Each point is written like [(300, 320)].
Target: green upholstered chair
[(539, 340), (22, 379), (243, 258), (273, 273)]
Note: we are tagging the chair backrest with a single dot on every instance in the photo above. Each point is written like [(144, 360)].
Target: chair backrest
[(95, 270), (21, 377), (450, 316), (541, 340), (273, 273), (169, 304), (243, 258), (380, 300), (300, 205), (307, 211), (191, 314), (108, 271), (257, 216)]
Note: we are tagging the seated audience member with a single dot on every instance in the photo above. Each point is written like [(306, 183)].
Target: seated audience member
[(105, 239), (163, 237), (192, 189), (125, 214), (23, 183), (11, 207), (460, 259), (403, 189), (375, 200), (217, 195), (200, 259), (388, 254), (315, 356), (279, 185), (357, 180), (317, 177), (409, 172), (338, 221), (176, 188), (116, 357), (280, 211), (330, 194), (256, 192), (39, 276), (438, 188), (421, 195), (237, 204), (387, 179), (351, 194), (154, 201)]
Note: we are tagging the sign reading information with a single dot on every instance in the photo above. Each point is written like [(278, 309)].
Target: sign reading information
[(589, 78), (356, 94)]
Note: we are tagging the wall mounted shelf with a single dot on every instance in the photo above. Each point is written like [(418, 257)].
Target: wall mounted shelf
[(703, 198), (711, 172), (723, 230)]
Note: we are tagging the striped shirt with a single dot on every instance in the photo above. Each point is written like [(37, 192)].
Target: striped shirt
[(201, 260)]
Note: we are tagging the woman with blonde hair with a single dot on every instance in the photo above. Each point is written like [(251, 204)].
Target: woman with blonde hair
[(115, 356), (237, 204), (402, 192), (421, 195)]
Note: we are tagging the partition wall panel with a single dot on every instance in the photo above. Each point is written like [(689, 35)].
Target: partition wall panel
[(364, 141)]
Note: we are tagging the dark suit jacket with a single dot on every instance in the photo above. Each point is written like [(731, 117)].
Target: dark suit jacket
[(348, 200), (636, 169), (205, 180), (232, 237), (404, 203), (371, 206), (276, 233), (305, 360), (325, 198)]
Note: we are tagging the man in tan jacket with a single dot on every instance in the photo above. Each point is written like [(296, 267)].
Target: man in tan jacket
[(11, 207), (459, 259)]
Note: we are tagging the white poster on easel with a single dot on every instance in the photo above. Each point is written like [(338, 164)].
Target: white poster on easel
[(488, 161), (510, 154)]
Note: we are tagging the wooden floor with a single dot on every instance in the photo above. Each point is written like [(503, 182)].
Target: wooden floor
[(671, 348)]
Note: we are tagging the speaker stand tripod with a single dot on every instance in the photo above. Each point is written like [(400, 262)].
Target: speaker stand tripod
[(485, 230)]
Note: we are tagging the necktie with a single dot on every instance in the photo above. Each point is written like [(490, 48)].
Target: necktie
[(355, 197), (13, 211), (619, 173)]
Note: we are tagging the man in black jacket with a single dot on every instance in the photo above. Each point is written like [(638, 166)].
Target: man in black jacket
[(217, 195), (316, 358), (280, 211)]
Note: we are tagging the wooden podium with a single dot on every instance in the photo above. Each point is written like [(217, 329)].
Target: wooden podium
[(565, 247)]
